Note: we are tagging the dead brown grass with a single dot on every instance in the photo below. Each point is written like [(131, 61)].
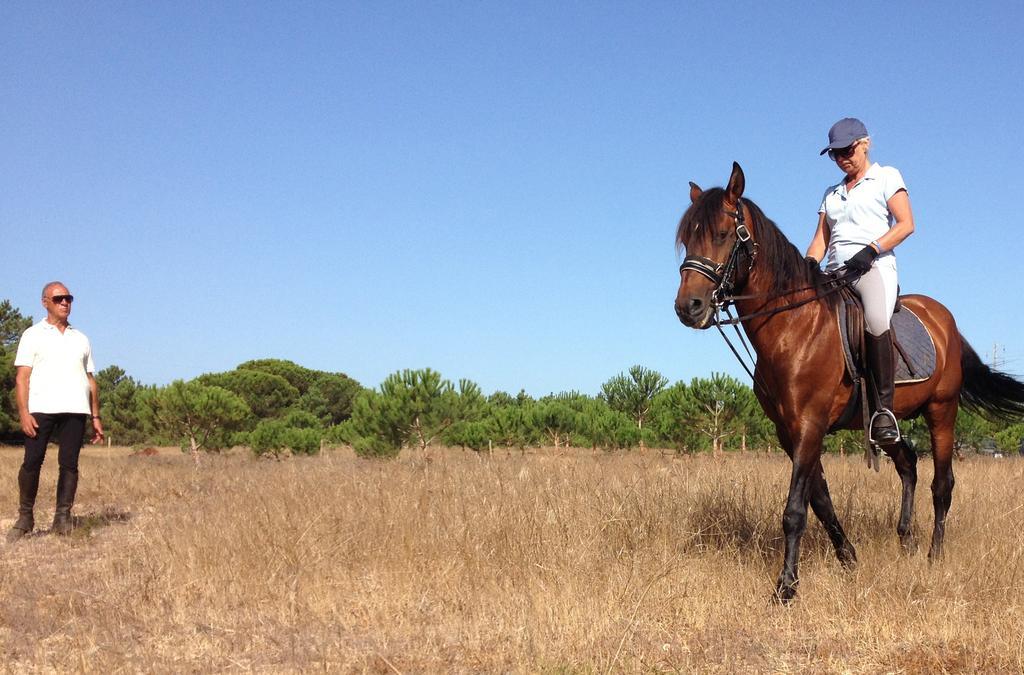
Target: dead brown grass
[(547, 562)]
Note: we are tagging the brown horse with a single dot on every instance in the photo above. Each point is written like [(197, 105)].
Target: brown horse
[(800, 378)]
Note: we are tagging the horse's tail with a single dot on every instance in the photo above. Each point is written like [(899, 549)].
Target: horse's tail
[(988, 391)]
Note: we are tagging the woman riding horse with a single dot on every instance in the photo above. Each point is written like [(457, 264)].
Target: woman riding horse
[(861, 220), (736, 256)]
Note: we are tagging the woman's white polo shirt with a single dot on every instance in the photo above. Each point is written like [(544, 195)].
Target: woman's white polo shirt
[(861, 215)]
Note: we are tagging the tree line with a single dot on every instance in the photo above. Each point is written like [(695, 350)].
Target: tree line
[(275, 406)]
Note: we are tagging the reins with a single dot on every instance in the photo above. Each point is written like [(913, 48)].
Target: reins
[(723, 307), (721, 274), (837, 285)]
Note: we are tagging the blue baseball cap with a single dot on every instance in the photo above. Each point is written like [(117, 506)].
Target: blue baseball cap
[(844, 132)]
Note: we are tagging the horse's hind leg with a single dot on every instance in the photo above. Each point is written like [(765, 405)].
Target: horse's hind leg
[(941, 418), (821, 503), (905, 460)]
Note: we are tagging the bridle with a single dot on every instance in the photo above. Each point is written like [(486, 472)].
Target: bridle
[(723, 275)]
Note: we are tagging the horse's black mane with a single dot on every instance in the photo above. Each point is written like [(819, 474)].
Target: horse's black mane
[(785, 262)]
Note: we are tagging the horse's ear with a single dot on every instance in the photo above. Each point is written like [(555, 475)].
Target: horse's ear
[(695, 191), (736, 183)]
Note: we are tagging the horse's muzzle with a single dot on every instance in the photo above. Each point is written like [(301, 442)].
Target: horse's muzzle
[(694, 312)]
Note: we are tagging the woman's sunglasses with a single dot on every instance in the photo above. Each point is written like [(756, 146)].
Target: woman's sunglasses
[(842, 153)]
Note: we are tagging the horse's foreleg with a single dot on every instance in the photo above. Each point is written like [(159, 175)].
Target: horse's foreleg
[(821, 503), (941, 420), (794, 522), (905, 461)]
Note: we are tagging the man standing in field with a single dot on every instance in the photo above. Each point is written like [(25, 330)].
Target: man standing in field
[(57, 395)]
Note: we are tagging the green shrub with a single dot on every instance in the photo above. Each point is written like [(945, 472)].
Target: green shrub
[(273, 437)]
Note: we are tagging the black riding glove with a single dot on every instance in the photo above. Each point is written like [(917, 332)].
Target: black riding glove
[(862, 259)]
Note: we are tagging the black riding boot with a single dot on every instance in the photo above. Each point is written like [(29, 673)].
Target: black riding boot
[(28, 486), (67, 485), (882, 367)]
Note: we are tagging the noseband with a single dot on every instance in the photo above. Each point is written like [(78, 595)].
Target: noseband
[(723, 275)]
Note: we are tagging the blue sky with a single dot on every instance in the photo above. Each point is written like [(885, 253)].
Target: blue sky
[(487, 189)]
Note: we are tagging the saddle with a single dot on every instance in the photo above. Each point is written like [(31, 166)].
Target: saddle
[(915, 351)]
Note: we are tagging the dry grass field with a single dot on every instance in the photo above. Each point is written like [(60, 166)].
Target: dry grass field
[(544, 562)]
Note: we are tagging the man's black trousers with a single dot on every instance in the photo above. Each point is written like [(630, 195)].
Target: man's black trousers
[(65, 429)]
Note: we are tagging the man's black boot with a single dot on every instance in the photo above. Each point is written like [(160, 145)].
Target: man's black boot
[(67, 485), (28, 486)]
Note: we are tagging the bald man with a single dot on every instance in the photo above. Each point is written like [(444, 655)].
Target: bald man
[(57, 397)]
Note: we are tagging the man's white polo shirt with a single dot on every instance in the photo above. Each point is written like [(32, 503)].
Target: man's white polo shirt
[(60, 363)]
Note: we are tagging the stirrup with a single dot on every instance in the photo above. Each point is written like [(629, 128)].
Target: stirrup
[(884, 412)]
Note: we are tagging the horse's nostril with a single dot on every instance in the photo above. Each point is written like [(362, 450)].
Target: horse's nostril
[(696, 306)]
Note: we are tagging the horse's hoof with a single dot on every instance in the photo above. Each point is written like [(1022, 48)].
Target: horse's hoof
[(784, 593), (847, 557)]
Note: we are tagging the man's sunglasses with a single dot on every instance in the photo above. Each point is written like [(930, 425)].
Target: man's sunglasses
[(842, 153), (58, 299)]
